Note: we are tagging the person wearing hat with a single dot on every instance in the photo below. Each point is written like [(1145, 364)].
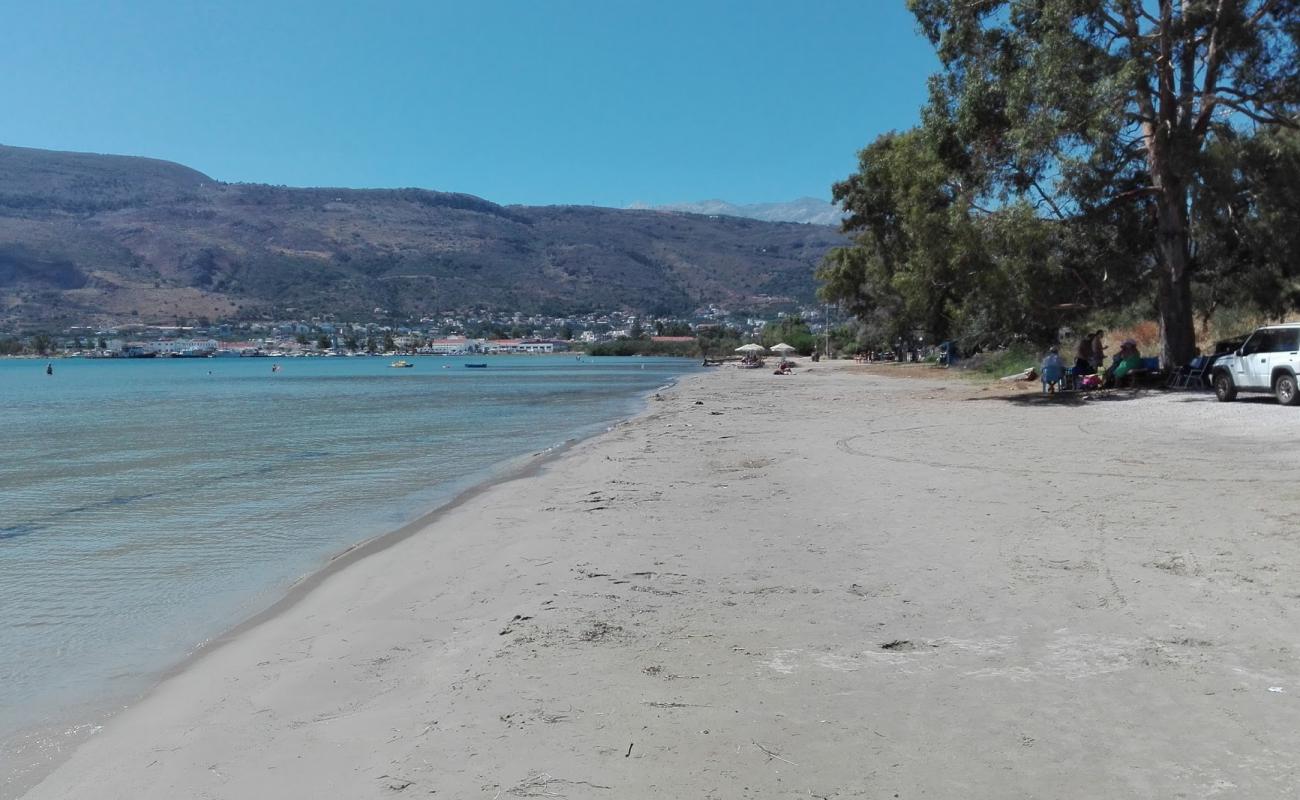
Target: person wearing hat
[(1127, 360)]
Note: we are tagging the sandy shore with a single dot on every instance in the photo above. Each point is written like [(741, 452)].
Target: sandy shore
[(834, 584)]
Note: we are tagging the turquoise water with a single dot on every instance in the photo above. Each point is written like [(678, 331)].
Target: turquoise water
[(146, 505)]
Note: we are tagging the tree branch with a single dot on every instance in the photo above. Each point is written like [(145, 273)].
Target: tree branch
[(1048, 200), (1165, 68), (1260, 114), (1264, 8), (1213, 59), (1146, 106), (1143, 191), (1186, 77)]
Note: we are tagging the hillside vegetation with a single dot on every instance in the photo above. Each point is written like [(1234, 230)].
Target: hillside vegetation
[(102, 238)]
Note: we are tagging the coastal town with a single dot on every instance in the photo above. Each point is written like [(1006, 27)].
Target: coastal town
[(480, 332)]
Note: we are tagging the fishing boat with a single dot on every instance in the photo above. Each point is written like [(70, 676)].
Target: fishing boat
[(476, 366), (401, 364)]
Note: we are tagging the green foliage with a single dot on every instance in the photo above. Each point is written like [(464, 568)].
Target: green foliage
[(323, 342), (717, 341), (10, 346), (1007, 361), (1080, 154), (672, 328), (1249, 220), (642, 347), (389, 344), (844, 339), (794, 332), (929, 261)]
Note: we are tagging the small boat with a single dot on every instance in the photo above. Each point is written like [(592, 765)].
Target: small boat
[(476, 366), (401, 364)]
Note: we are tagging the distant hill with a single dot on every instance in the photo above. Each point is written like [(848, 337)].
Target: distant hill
[(105, 238), (808, 210)]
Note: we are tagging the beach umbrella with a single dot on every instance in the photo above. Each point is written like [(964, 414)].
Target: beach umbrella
[(784, 349), (750, 348)]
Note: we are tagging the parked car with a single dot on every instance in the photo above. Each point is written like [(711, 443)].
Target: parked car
[(1267, 361), (1222, 349)]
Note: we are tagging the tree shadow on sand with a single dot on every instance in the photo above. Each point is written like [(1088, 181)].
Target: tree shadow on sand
[(1070, 399)]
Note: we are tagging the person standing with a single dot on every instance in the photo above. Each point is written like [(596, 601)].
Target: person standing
[(1098, 350), (49, 368), (1083, 356)]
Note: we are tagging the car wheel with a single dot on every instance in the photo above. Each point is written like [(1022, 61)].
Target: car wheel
[(1223, 388), (1285, 390)]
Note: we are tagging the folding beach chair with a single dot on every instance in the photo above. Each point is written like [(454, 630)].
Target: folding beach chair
[(1192, 375), (1053, 378)]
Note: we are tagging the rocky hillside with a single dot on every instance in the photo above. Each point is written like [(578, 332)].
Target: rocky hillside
[(103, 238), (805, 209)]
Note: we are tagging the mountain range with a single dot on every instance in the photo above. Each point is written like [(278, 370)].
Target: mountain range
[(98, 239), (807, 210)]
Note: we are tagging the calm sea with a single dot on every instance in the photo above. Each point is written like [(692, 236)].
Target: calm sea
[(147, 505)]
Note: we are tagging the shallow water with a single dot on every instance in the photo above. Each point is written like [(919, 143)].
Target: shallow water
[(146, 505)]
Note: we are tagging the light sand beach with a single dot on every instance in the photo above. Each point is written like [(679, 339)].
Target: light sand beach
[(827, 585)]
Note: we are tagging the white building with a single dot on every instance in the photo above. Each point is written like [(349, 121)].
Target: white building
[(452, 346), (169, 347), (505, 346)]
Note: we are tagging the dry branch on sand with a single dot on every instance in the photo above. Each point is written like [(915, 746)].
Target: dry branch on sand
[(539, 785)]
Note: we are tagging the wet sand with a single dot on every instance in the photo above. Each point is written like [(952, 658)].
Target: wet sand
[(831, 584)]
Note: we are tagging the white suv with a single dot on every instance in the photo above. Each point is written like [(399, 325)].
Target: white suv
[(1266, 362)]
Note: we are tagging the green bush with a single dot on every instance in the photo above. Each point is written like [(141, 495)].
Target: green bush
[(996, 363), (643, 347), (794, 332)]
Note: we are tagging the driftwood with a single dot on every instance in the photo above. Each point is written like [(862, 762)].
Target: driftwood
[(777, 756)]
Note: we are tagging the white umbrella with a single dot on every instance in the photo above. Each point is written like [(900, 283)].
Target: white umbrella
[(783, 348), (750, 348)]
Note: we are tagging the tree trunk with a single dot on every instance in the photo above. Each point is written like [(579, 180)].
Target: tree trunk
[(1177, 317), (1177, 322)]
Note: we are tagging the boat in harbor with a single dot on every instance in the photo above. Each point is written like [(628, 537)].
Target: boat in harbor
[(401, 364), (476, 366)]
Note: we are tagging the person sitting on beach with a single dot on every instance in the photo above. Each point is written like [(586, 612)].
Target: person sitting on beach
[(1053, 370), (1126, 360)]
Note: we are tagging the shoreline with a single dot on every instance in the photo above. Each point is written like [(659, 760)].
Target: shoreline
[(781, 586), (514, 468)]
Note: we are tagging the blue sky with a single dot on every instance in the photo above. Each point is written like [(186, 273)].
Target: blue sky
[(520, 102)]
